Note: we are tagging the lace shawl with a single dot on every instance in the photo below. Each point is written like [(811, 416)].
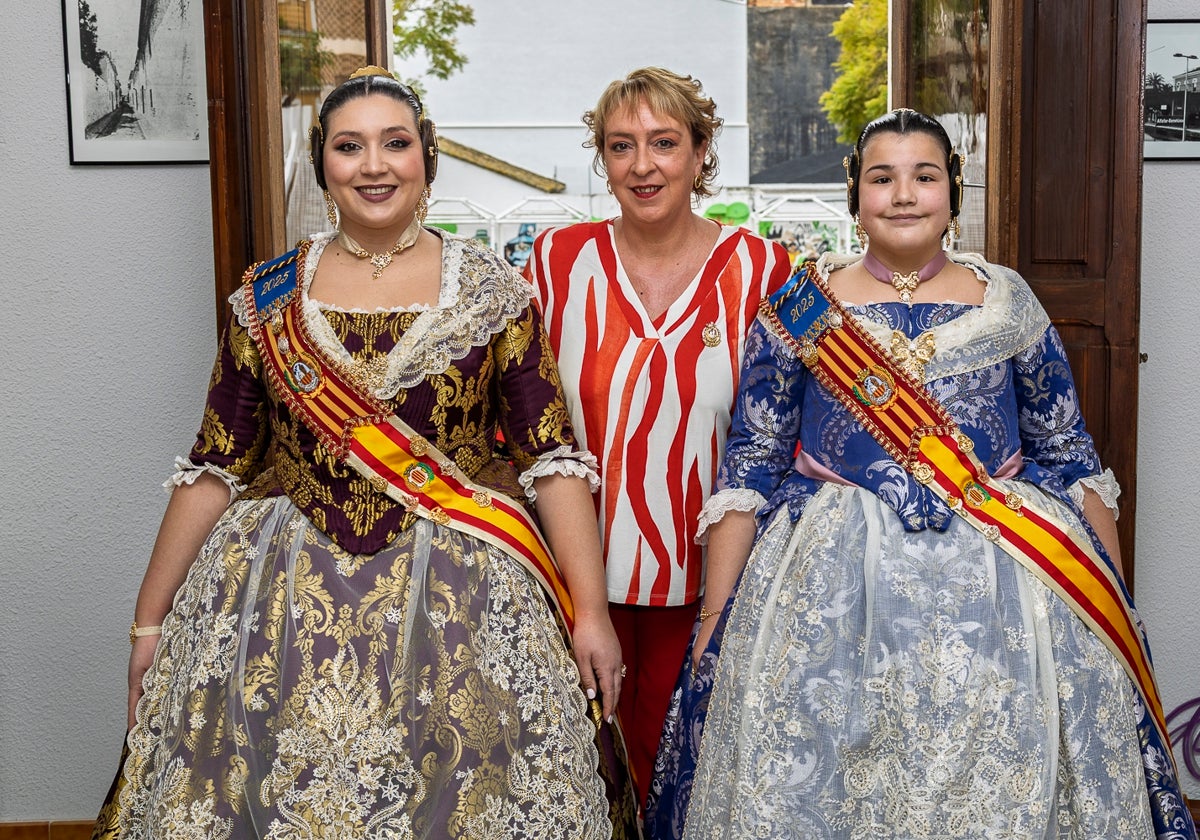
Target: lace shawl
[(479, 293), (1010, 319)]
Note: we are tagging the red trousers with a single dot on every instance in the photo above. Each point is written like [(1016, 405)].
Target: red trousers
[(653, 643)]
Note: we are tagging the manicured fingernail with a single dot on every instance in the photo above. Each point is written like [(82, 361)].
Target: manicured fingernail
[(610, 718), (591, 693)]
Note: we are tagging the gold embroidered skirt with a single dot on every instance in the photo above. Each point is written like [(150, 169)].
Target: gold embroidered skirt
[(300, 691)]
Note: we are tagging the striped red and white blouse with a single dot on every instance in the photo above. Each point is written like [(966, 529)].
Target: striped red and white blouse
[(651, 398)]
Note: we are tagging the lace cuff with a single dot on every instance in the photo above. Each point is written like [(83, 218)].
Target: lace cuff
[(562, 461), (237, 301), (720, 503), (186, 473), (1104, 485)]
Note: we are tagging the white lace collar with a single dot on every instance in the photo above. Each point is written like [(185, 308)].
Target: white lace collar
[(1009, 320), (479, 293)]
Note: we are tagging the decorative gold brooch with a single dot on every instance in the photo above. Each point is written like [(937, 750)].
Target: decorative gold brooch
[(912, 356)]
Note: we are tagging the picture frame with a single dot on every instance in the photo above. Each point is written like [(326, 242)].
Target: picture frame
[(136, 81), (1172, 90)]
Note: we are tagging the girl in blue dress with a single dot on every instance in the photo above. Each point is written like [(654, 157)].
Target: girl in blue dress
[(886, 669)]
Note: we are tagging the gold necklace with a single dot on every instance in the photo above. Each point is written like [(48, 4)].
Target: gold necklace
[(381, 261), (904, 284)]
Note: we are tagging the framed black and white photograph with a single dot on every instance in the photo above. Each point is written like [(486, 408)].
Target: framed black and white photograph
[(1171, 114), (136, 81)]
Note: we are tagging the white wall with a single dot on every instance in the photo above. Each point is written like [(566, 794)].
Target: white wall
[(1168, 528), (108, 332)]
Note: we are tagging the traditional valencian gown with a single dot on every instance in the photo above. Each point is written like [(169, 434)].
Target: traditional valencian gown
[(335, 666), (885, 670)]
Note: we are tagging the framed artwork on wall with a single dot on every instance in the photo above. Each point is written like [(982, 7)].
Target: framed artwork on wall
[(136, 90), (1171, 109)]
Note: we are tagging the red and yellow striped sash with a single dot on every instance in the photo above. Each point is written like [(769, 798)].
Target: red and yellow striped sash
[(922, 437), (364, 432)]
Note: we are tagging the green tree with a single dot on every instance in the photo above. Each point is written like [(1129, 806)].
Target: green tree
[(1155, 81), (428, 26), (301, 61), (859, 93), (949, 59), (89, 49)]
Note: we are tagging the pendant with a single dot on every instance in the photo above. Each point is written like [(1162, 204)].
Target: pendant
[(905, 284), (711, 334), (380, 261)]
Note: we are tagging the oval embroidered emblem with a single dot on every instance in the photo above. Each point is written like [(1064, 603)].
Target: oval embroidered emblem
[(418, 476), (303, 376), (876, 388), (975, 495)]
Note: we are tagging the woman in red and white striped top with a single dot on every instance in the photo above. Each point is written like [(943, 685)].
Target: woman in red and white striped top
[(647, 315)]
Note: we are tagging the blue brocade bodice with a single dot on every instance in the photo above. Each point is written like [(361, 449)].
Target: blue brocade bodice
[(1009, 387)]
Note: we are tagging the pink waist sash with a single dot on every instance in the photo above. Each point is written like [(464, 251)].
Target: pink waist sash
[(809, 467)]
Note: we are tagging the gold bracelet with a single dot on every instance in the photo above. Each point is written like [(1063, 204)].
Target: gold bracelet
[(135, 631), (706, 614)]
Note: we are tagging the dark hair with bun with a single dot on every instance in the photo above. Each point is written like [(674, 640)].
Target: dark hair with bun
[(905, 121)]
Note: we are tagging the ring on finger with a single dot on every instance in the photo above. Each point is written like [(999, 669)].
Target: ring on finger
[(623, 670)]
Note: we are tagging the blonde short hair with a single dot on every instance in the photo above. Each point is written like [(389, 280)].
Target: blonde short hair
[(666, 93)]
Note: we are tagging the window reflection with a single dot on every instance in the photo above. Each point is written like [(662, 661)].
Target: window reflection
[(949, 80), (794, 154), (321, 42)]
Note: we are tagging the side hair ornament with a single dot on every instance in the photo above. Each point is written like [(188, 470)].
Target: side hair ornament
[(954, 168), (852, 164)]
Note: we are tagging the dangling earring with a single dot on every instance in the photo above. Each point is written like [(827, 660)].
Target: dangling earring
[(697, 184), (331, 211), (423, 205), (861, 233), (953, 232)]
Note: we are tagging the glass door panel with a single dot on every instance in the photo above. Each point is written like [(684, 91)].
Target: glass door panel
[(947, 77), (321, 42)]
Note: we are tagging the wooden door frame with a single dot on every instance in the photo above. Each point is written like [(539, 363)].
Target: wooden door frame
[(246, 131), (1115, 275), (1112, 266)]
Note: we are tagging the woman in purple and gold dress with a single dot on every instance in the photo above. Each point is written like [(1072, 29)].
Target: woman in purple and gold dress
[(348, 625), (930, 637)]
